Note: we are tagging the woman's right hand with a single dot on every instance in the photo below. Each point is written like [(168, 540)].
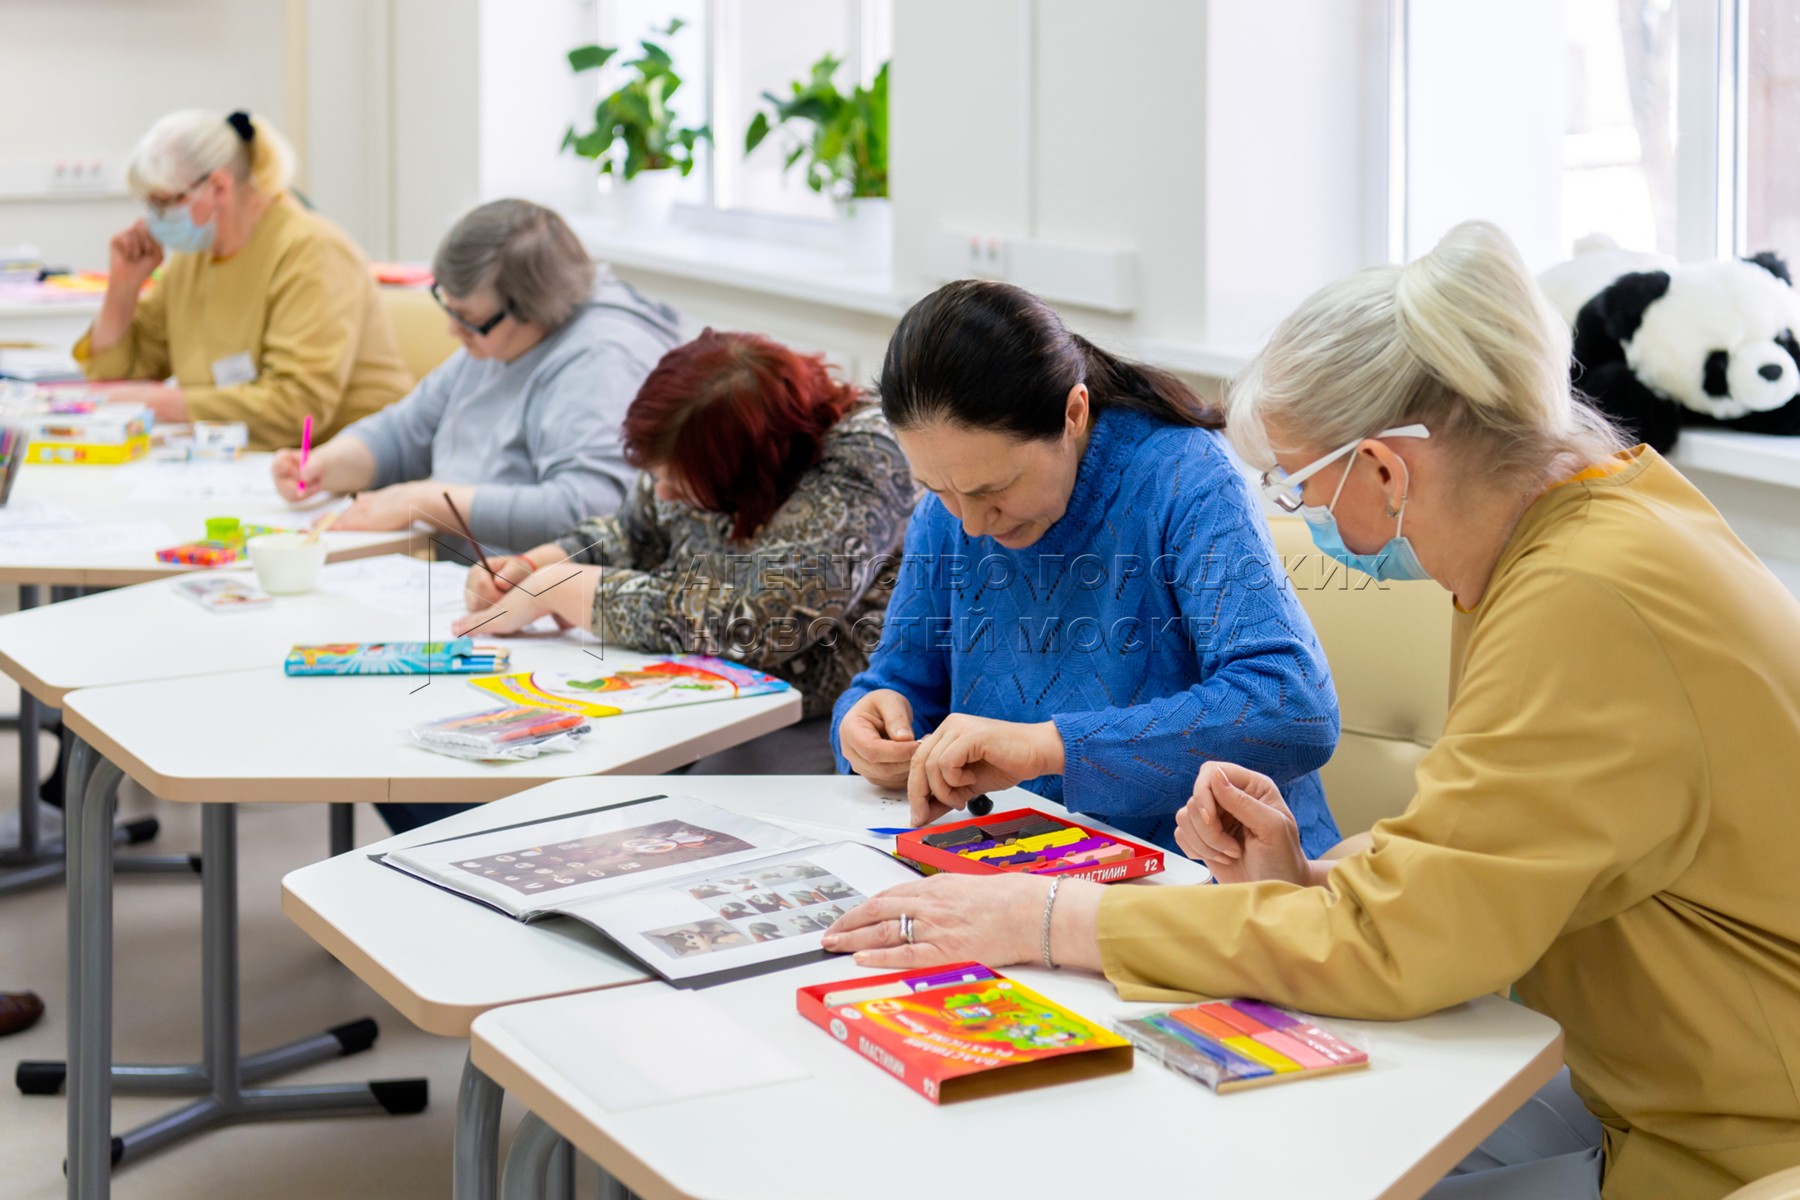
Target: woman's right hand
[(288, 475), (1238, 825), (134, 255), (876, 736)]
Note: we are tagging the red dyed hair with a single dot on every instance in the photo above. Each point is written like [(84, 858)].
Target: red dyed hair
[(737, 419)]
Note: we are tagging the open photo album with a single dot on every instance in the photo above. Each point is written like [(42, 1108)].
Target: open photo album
[(696, 894)]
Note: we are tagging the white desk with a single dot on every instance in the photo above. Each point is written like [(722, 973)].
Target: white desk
[(148, 632), (57, 322), (258, 736), (103, 497), (1435, 1088), (414, 944)]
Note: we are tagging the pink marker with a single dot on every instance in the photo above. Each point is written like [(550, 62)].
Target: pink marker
[(305, 449)]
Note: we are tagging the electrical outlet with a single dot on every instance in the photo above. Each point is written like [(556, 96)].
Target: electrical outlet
[(60, 178), (954, 255)]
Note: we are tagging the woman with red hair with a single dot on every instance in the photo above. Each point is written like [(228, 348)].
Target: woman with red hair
[(761, 529)]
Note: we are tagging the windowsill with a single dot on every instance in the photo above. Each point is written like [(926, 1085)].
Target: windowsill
[(1761, 457), (795, 272)]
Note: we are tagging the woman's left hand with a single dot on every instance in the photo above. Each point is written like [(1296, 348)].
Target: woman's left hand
[(991, 919), (966, 756), (385, 508)]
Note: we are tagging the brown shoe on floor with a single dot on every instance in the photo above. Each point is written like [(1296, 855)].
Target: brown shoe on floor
[(19, 1011)]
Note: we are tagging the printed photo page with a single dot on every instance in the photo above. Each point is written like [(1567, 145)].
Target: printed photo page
[(732, 922), (697, 894), (554, 863)]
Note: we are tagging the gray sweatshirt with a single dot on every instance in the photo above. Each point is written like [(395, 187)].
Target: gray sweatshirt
[(538, 436)]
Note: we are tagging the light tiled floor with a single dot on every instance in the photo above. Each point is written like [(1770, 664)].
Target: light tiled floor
[(290, 988)]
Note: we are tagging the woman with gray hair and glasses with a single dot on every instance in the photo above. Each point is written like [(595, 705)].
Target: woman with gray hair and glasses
[(519, 427)]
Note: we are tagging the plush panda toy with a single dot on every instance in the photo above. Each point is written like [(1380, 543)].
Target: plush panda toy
[(1660, 344)]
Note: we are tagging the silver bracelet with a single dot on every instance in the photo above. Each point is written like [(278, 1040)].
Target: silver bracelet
[(1049, 903)]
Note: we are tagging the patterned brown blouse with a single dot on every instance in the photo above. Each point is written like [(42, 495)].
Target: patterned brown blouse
[(804, 599)]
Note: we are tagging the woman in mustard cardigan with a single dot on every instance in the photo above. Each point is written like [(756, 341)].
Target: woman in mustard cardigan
[(265, 313), (1608, 821)]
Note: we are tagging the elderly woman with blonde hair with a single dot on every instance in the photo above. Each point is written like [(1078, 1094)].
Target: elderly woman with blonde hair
[(265, 313), (1608, 820)]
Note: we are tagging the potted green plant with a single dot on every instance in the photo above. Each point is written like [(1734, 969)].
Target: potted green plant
[(636, 138), (846, 152)]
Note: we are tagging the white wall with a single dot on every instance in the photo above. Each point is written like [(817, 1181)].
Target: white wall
[(85, 78)]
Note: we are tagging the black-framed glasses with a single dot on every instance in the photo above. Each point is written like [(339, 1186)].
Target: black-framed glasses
[(164, 208), (479, 329)]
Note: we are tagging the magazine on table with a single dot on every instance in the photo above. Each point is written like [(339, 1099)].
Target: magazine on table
[(696, 894)]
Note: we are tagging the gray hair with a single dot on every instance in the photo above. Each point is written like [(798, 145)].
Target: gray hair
[(527, 253), (1461, 340)]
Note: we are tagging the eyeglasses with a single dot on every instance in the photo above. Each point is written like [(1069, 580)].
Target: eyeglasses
[(1283, 490), (159, 210), (481, 329)]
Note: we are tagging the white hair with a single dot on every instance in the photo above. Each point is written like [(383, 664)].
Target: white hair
[(187, 146), (1461, 340)]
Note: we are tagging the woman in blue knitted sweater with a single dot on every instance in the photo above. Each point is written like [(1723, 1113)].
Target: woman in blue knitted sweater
[(1089, 602)]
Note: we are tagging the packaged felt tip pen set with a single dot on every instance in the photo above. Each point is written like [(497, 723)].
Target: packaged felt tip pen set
[(1230, 1045), (501, 734), (1026, 840), (458, 656), (963, 1031)]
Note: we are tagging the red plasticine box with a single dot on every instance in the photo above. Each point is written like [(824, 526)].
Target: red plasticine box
[(961, 1040), (917, 847)]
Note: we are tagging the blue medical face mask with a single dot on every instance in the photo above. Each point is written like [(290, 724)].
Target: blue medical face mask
[(1393, 562), (174, 226)]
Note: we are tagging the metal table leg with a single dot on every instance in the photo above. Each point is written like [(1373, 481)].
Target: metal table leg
[(477, 1163), (35, 862), (537, 1154), (343, 829), (91, 1076)]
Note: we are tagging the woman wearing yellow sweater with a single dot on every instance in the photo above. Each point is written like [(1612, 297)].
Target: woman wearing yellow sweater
[(265, 313), (1608, 821)]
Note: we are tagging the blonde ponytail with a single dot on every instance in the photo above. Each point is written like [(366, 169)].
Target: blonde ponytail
[(1461, 340), (191, 144), (271, 168)]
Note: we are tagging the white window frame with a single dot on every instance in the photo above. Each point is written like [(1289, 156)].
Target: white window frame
[(1712, 101), (722, 159)]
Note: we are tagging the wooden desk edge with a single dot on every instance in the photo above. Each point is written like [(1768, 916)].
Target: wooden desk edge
[(1470, 1132), (43, 693)]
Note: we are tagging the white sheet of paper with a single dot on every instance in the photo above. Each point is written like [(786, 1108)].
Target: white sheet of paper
[(398, 584), (241, 481), (657, 1049), (62, 543), (24, 512)]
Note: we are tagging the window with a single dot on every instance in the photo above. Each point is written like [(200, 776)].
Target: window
[(1666, 125), (728, 53), (1771, 98)]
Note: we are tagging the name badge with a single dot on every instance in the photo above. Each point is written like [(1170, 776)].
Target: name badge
[(232, 370)]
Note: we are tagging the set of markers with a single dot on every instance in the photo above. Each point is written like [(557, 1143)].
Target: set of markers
[(1229, 1045), (501, 734), (1029, 841)]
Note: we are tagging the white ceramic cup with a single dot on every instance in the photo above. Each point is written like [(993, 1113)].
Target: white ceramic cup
[(286, 563)]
